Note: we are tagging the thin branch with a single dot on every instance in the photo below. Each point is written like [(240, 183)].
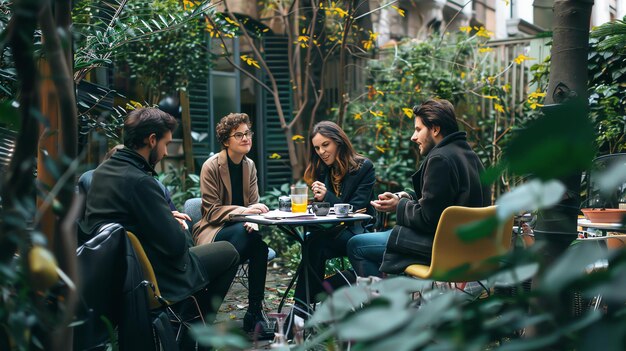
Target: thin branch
[(376, 9)]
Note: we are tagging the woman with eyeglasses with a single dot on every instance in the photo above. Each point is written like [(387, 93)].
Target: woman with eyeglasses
[(228, 182)]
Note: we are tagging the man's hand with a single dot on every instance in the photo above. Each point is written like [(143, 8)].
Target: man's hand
[(182, 218), (256, 209), (387, 202), (319, 190)]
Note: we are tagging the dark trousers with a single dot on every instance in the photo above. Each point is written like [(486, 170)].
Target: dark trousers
[(219, 261), (321, 246), (252, 248)]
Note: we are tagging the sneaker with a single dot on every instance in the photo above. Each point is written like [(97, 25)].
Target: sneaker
[(258, 325)]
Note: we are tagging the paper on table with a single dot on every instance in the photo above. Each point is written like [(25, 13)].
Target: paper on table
[(274, 214)]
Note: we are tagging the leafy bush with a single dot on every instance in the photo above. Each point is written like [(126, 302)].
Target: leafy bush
[(181, 184), (453, 67)]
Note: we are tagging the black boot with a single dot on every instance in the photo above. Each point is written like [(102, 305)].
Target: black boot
[(256, 322)]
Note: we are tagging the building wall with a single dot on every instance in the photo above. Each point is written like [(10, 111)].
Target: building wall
[(531, 12)]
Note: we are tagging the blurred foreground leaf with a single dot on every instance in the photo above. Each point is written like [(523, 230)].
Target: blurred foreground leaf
[(560, 143)]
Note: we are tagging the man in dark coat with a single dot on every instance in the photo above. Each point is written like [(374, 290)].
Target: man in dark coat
[(124, 191), (449, 175)]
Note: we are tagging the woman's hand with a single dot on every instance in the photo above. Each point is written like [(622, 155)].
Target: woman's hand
[(319, 190), (256, 209)]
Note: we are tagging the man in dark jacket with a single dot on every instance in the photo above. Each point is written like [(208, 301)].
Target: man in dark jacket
[(124, 191), (449, 175)]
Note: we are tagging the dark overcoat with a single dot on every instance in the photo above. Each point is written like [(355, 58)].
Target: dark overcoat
[(357, 187), (449, 176), (124, 191)]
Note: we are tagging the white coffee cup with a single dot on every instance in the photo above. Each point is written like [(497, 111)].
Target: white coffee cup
[(342, 210)]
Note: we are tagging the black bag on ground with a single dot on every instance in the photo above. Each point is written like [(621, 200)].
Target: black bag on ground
[(164, 332)]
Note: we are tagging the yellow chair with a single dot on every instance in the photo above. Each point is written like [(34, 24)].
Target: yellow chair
[(154, 294), (454, 260)]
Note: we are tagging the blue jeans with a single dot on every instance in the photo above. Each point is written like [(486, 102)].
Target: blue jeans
[(365, 252)]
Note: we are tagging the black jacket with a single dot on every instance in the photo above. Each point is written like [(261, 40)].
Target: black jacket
[(124, 191), (111, 287), (449, 176), (357, 187)]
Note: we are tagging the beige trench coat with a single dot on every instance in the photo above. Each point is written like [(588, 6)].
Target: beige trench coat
[(217, 195)]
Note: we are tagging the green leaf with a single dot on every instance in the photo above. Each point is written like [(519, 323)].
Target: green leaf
[(478, 229), (340, 303), (546, 146), (372, 323)]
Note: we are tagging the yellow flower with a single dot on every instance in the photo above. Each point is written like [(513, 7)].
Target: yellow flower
[(498, 107), (408, 111), (133, 105), (187, 4), (534, 105), (297, 138), (506, 88), (377, 113), (303, 40), (250, 61), (491, 97), (380, 149), (521, 58), (466, 29), (275, 156), (400, 11), (482, 32), (341, 12), (484, 50), (536, 95), (357, 116), (491, 80), (462, 75), (231, 21)]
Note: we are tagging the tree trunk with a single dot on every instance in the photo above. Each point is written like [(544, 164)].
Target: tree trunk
[(568, 80), (556, 226)]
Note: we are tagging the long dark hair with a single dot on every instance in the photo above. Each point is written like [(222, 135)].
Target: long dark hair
[(347, 159)]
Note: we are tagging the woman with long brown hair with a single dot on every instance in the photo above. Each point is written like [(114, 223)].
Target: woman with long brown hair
[(336, 174)]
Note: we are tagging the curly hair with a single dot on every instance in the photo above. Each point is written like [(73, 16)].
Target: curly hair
[(228, 123)]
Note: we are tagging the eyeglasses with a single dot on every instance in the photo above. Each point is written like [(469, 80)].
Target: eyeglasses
[(239, 135)]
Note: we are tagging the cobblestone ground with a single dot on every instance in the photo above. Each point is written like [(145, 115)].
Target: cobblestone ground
[(236, 301)]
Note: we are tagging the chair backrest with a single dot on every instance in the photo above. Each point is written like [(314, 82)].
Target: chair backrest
[(193, 207), (148, 272), (467, 261)]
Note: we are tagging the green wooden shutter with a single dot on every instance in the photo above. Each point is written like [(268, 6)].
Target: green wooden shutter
[(202, 128), (274, 172)]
